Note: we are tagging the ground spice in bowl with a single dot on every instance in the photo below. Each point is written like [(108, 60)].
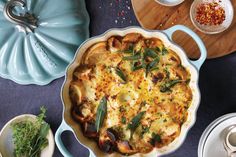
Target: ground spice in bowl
[(210, 14)]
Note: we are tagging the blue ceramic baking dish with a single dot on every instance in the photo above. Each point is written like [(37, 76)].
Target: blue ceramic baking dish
[(166, 36)]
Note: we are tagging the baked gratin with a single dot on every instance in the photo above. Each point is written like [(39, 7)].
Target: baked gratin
[(130, 94)]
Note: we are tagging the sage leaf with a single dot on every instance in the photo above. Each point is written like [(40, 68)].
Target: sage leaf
[(134, 57), (167, 73), (101, 113), (156, 138), (134, 123), (168, 85), (120, 74), (151, 65), (123, 120), (134, 68), (44, 130), (164, 51), (150, 53), (158, 49), (130, 49)]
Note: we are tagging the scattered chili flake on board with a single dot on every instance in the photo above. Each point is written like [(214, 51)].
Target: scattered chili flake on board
[(210, 14)]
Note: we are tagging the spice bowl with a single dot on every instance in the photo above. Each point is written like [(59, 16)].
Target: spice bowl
[(207, 28), (6, 140)]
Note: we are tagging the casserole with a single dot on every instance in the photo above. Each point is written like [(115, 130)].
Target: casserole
[(193, 66)]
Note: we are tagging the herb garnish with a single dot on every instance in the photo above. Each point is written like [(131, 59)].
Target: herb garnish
[(187, 81), (155, 138), (164, 51), (123, 120), (158, 49), (29, 137), (134, 57), (130, 49), (134, 67), (167, 73), (134, 123), (145, 129), (101, 113), (146, 59), (120, 74), (151, 65), (150, 53), (168, 85)]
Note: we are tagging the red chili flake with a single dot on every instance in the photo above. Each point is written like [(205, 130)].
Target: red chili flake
[(122, 13), (210, 14)]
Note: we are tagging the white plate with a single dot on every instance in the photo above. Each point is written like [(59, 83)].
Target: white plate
[(6, 144), (212, 139)]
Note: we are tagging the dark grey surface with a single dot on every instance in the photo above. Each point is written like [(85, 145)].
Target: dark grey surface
[(217, 85)]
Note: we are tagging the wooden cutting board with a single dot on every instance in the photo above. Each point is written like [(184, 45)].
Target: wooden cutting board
[(152, 15)]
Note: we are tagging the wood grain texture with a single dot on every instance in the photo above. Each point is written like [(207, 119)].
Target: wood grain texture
[(152, 15)]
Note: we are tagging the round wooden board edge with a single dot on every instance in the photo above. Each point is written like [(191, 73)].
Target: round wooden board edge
[(208, 57)]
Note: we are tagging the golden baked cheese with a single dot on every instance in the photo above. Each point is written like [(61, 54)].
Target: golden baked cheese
[(130, 94)]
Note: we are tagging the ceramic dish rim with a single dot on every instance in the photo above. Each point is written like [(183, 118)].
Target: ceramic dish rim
[(144, 32)]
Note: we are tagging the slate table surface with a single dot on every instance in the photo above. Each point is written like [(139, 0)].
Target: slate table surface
[(217, 84)]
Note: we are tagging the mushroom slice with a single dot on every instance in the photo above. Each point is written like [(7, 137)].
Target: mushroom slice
[(83, 72), (182, 73), (154, 43), (140, 45), (76, 92), (125, 148), (96, 53), (114, 44), (171, 59), (82, 113), (107, 141), (158, 77), (90, 130), (132, 37), (178, 72)]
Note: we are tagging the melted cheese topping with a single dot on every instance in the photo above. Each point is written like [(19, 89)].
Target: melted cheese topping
[(165, 109)]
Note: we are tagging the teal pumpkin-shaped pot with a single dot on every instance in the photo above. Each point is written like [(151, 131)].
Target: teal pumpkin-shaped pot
[(38, 38)]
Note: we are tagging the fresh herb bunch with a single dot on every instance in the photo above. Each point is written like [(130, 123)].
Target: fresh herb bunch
[(29, 137)]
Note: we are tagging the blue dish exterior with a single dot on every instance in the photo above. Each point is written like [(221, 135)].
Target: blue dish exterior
[(41, 56), (169, 32), (198, 63)]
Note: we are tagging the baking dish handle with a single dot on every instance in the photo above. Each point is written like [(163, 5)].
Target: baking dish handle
[(198, 63), (62, 128)]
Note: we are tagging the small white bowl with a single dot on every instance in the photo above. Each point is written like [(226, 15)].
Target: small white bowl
[(169, 3), (6, 143), (214, 29)]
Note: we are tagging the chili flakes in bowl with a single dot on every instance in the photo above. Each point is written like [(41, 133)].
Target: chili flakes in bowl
[(210, 14)]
